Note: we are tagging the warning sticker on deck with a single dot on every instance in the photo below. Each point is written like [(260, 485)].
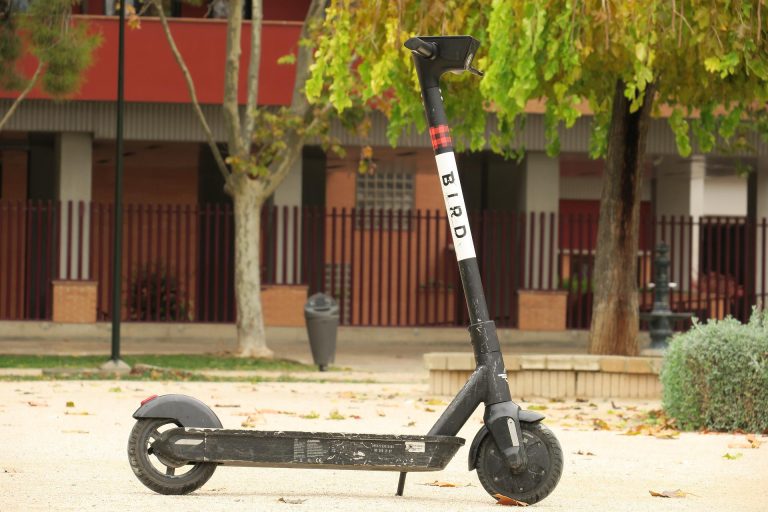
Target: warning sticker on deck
[(415, 446)]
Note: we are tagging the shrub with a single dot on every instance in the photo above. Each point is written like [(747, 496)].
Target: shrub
[(715, 376), (156, 296)]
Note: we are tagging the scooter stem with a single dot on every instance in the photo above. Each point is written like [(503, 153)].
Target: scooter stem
[(432, 57)]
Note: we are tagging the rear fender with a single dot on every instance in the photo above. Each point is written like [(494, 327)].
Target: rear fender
[(525, 417), (188, 411)]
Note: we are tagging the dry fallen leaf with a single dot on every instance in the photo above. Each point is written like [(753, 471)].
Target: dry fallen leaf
[(437, 483), (436, 401), (753, 441), (599, 424), (292, 501), (666, 433), (509, 502), (73, 413), (677, 493), (227, 405), (734, 456), (583, 453), (38, 404), (252, 420)]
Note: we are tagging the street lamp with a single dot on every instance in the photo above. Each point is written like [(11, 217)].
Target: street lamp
[(115, 363)]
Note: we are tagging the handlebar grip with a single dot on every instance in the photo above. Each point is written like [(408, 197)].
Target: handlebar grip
[(423, 48)]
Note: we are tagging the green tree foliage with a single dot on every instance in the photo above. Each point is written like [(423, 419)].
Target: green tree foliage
[(707, 59), (63, 49)]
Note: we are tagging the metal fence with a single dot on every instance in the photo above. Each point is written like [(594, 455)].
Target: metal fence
[(386, 267)]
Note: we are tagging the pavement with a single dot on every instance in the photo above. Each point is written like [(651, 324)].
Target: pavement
[(73, 458), (65, 442)]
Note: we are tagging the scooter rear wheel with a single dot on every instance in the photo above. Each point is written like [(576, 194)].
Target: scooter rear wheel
[(159, 474), (540, 477)]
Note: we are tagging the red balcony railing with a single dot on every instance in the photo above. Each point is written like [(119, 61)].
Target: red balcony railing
[(151, 72)]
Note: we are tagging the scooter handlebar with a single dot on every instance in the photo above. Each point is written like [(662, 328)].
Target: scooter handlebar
[(423, 48), (435, 55)]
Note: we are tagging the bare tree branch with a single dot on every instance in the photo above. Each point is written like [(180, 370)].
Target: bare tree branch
[(223, 169), (253, 70), (299, 103), (304, 59), (283, 166), (232, 79), (21, 96)]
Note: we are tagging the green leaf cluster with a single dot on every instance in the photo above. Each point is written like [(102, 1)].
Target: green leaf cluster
[(715, 376), (360, 63), (45, 29), (273, 128), (707, 60)]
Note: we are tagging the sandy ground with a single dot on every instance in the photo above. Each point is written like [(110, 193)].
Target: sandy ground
[(55, 457)]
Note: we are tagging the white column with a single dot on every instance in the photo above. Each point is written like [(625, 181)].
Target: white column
[(762, 216), (74, 156), (680, 191), (541, 194), (288, 194)]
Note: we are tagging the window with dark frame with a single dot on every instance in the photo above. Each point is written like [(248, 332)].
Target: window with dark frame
[(389, 188)]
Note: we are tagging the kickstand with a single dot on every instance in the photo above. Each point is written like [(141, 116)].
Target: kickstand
[(401, 484)]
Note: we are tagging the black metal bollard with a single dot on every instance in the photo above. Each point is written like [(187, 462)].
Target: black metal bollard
[(661, 316)]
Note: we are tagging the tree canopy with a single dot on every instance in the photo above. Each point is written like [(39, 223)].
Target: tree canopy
[(708, 61), (63, 49)]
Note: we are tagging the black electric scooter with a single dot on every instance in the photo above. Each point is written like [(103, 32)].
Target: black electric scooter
[(178, 441)]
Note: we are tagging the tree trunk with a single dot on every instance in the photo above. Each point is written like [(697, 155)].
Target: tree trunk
[(615, 315), (248, 197)]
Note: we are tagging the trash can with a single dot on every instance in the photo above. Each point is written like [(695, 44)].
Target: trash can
[(322, 315)]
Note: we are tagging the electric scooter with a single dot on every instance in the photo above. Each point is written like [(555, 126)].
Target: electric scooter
[(178, 441)]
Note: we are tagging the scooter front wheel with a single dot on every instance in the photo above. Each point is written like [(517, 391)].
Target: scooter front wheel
[(159, 474), (541, 475)]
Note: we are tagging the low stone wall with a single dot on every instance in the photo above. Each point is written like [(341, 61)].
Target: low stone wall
[(554, 375)]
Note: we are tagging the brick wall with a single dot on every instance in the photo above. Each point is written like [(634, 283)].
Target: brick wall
[(74, 301)]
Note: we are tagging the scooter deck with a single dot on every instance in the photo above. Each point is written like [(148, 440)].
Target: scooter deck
[(328, 450)]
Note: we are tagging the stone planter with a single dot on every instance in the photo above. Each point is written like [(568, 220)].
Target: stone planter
[(74, 302), (555, 376), (540, 310), (283, 305)]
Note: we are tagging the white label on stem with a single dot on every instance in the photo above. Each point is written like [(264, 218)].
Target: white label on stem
[(454, 206)]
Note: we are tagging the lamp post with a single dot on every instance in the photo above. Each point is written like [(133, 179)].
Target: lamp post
[(115, 363)]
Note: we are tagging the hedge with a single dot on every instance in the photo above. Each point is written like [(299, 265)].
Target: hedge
[(715, 376)]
